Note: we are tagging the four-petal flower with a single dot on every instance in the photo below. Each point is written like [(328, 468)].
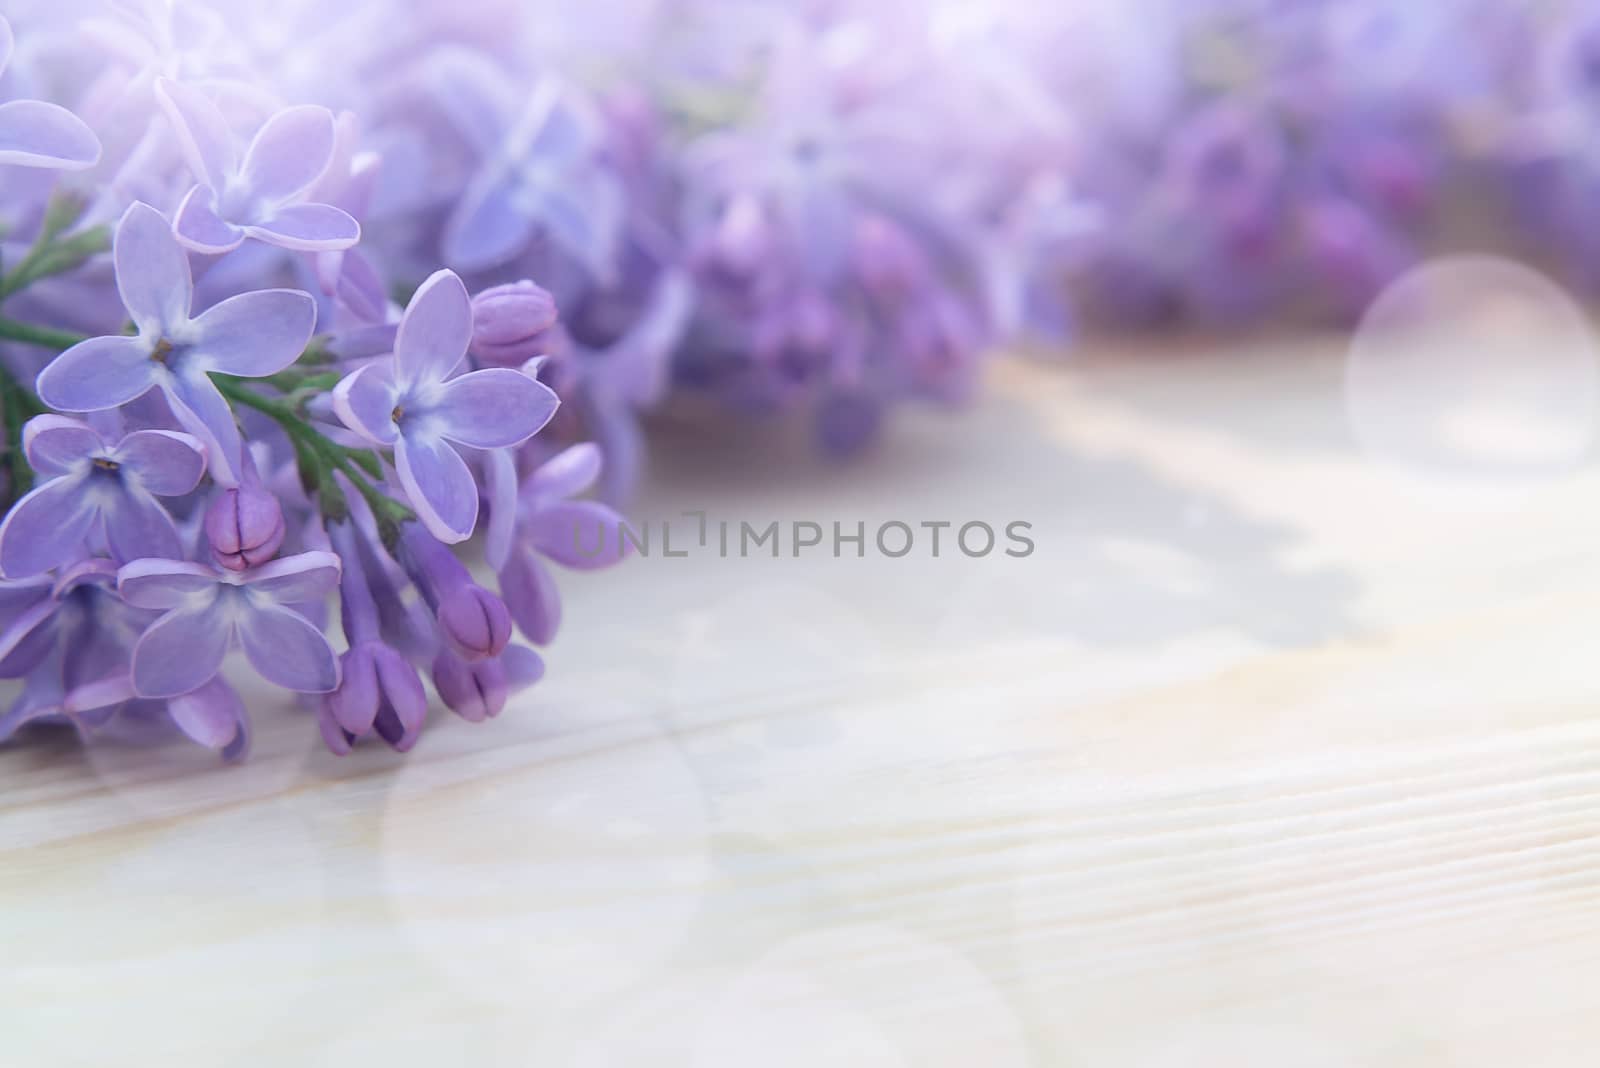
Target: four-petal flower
[(416, 403), (261, 196), (207, 609), (251, 335), (95, 488)]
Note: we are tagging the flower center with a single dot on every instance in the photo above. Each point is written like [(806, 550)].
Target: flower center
[(103, 463), (398, 413), (163, 349)]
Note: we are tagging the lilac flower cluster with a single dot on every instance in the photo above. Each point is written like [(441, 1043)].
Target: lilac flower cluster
[(218, 421)]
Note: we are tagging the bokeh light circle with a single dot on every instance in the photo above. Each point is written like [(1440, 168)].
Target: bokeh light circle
[(1474, 372)]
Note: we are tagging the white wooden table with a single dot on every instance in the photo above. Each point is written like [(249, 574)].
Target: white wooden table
[(1275, 753)]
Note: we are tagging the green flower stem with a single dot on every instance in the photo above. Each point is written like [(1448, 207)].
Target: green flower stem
[(17, 406), (42, 336), (319, 456)]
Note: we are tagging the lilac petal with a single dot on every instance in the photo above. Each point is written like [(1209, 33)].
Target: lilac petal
[(523, 667), (255, 334), (138, 527), (584, 535), (211, 715), (55, 444), (152, 271), (97, 375), (203, 133), (354, 705), (26, 641), (435, 330), (289, 152), (163, 584), (530, 593), (439, 486), (500, 483), (307, 228), (8, 42), (36, 134), (197, 225), (183, 650), (46, 528), (406, 698), (205, 414), (336, 738), (300, 579), (567, 474), (365, 401), (487, 228), (168, 464), (494, 408), (286, 650)]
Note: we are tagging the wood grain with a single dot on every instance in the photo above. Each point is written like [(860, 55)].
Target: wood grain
[(1277, 752)]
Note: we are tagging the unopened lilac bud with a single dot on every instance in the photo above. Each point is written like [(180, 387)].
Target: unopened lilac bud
[(244, 526), (475, 623), (379, 691), (475, 692), (512, 323)]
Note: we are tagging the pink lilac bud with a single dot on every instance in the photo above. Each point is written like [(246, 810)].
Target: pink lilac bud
[(244, 526), (512, 323), (475, 692)]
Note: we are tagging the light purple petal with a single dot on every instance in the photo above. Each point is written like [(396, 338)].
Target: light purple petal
[(494, 408), (183, 650), (487, 228), (167, 463), (163, 584), (307, 228), (298, 579), (365, 401), (55, 444), (567, 474), (500, 483), (523, 667), (8, 42), (439, 486), (205, 414), (530, 593), (203, 133), (26, 640), (197, 225), (435, 330), (286, 650), (289, 152), (579, 534), (211, 715), (138, 527), (98, 374), (46, 528), (36, 134), (255, 334), (152, 271)]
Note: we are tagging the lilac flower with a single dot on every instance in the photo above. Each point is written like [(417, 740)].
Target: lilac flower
[(251, 335), (416, 403), (214, 716), (97, 491), (262, 195), (473, 622), (206, 611), (545, 176), (550, 524), (34, 133)]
